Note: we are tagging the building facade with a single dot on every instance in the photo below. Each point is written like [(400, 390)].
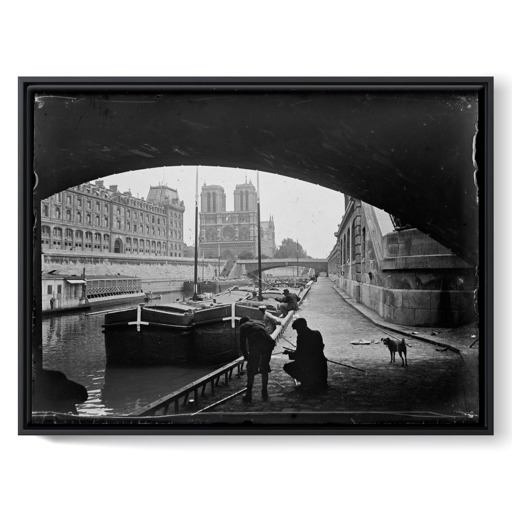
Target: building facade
[(232, 234), (94, 219), (401, 273)]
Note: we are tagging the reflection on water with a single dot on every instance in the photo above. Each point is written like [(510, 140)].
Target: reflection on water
[(74, 345)]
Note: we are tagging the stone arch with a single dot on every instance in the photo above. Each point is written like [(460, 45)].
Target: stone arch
[(402, 152), (118, 246)]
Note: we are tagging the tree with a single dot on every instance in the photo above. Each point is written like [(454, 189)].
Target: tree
[(247, 255), (290, 249)]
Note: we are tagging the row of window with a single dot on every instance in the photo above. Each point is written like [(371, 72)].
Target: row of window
[(348, 245), (106, 195), (68, 213), (137, 247), (225, 219), (97, 240), (228, 233), (79, 235), (98, 221)]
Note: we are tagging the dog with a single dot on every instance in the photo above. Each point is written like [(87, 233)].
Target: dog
[(394, 347)]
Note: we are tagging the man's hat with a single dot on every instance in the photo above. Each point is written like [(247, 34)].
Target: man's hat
[(299, 322)]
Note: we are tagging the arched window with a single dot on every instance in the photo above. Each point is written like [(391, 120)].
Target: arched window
[(353, 253), (57, 213), (57, 232), (79, 216), (244, 233), (78, 239), (45, 231), (348, 245)]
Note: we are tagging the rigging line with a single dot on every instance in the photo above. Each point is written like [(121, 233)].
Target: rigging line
[(211, 406)]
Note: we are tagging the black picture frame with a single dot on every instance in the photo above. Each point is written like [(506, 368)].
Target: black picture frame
[(33, 174)]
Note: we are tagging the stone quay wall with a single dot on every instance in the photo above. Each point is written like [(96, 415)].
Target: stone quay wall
[(419, 308), (158, 273)]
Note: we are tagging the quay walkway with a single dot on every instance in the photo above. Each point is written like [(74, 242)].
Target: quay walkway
[(440, 383)]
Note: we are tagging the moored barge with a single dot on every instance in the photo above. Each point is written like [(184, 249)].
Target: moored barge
[(176, 333)]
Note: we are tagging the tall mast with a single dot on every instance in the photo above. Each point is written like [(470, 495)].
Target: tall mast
[(195, 297), (297, 254), (260, 296)]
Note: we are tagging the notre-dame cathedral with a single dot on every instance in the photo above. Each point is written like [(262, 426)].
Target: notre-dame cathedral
[(233, 234)]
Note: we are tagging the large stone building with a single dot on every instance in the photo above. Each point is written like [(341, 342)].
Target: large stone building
[(401, 273), (230, 234), (91, 218)]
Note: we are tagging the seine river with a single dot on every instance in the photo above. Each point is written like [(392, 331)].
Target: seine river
[(74, 345)]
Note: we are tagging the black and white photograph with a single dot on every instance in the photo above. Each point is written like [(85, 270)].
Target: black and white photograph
[(247, 255), (174, 167)]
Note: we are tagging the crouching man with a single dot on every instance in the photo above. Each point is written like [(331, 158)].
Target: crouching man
[(309, 365)]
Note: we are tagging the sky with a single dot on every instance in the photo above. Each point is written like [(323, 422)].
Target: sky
[(302, 211)]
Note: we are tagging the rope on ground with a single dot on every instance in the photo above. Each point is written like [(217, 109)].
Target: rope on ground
[(347, 365)]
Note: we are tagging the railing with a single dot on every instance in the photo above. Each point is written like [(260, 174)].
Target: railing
[(189, 396), (182, 398)]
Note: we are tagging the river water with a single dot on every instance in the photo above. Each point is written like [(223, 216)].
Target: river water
[(74, 344)]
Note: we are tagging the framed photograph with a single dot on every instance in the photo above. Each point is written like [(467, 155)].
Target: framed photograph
[(255, 255)]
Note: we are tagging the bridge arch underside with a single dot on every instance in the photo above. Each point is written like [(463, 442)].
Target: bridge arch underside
[(409, 152), (252, 268)]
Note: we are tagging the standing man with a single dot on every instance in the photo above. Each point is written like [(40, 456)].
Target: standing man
[(256, 345), (310, 365), (290, 302)]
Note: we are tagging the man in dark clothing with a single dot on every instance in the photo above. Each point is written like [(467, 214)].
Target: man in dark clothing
[(290, 302), (256, 345), (310, 365)]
